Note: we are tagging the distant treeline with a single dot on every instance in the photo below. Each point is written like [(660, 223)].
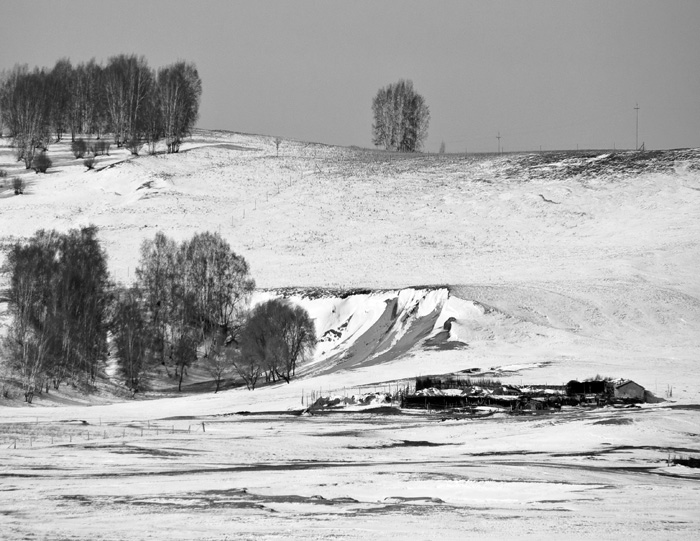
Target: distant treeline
[(124, 98), (190, 302)]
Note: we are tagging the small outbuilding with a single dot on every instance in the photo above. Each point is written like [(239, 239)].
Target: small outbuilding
[(629, 390)]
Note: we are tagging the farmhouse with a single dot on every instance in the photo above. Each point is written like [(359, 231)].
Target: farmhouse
[(629, 390), (458, 391)]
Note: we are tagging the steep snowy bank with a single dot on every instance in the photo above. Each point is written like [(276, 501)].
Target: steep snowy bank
[(531, 334)]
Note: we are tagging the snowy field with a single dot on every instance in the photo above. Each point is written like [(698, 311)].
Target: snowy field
[(598, 474), (554, 267)]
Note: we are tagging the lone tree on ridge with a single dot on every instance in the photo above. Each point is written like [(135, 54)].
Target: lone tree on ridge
[(401, 117)]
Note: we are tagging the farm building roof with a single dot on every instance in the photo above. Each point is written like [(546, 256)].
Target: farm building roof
[(624, 382)]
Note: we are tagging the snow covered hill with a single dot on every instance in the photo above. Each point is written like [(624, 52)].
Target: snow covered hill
[(571, 264)]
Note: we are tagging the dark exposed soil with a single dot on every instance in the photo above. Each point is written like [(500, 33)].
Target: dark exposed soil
[(622, 421), (404, 443)]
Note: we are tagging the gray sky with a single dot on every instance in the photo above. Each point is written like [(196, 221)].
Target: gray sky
[(555, 73)]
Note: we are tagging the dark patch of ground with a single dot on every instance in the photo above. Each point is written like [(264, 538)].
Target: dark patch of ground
[(690, 407), (209, 499), (647, 470), (614, 422), (690, 462), (404, 499), (341, 434), (404, 443), (134, 450), (509, 453)]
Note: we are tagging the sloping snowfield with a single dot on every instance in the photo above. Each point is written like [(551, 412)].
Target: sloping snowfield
[(547, 267)]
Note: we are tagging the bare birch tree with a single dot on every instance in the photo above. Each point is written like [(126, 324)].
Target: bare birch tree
[(59, 83), (25, 105), (127, 83), (155, 276), (179, 89), (131, 337), (277, 337)]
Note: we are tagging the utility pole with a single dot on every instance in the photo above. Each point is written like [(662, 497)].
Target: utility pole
[(499, 142), (636, 136)]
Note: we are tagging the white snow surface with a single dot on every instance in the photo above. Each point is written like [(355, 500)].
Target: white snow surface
[(531, 269)]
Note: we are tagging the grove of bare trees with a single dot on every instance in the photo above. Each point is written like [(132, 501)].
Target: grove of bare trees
[(194, 296), (59, 297), (189, 303), (125, 98), (401, 117)]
